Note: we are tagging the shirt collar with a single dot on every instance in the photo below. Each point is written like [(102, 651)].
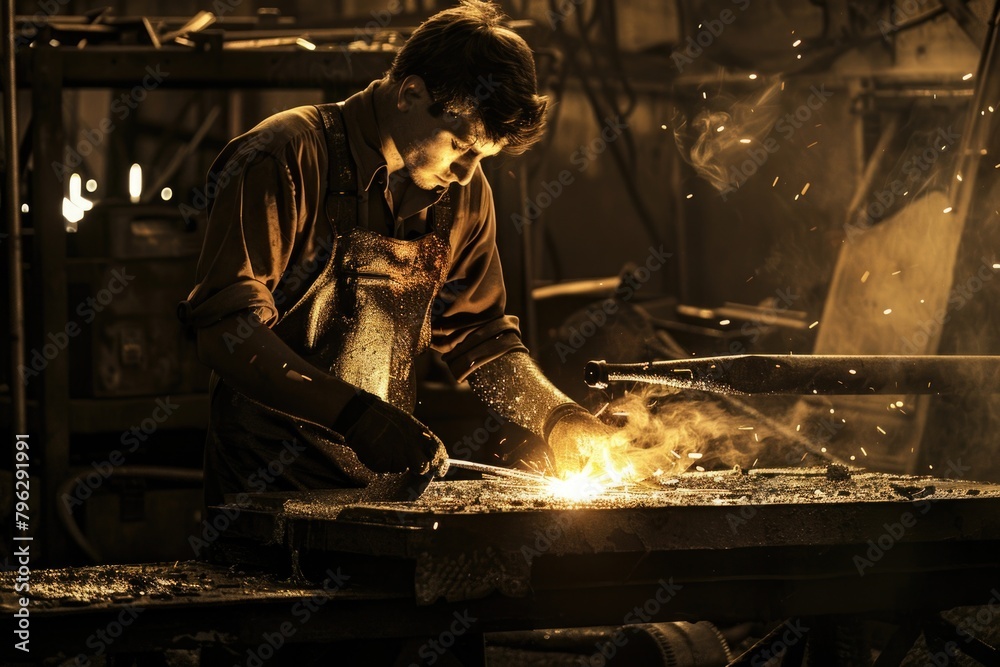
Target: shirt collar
[(366, 144), (362, 134)]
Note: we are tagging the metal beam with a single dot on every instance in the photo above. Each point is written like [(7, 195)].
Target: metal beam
[(49, 295), (175, 67), (967, 20), (12, 201)]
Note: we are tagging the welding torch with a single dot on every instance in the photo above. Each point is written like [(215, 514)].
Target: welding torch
[(750, 374)]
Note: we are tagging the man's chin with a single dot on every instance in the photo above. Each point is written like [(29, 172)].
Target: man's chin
[(427, 181)]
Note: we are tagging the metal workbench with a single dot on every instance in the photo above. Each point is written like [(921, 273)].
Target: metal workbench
[(725, 546)]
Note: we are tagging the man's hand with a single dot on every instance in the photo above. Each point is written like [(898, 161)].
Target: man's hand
[(577, 438), (386, 439)]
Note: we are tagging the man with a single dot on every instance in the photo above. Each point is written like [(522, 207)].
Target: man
[(334, 231)]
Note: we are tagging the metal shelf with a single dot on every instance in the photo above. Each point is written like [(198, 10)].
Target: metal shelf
[(46, 70), (102, 415)]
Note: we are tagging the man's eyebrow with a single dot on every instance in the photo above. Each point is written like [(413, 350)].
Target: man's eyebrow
[(467, 141)]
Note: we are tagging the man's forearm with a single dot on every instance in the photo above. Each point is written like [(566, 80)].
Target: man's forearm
[(516, 388), (266, 370)]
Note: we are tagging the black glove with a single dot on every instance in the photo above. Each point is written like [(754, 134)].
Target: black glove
[(386, 439)]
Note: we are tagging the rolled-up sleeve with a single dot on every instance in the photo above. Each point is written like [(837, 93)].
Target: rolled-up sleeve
[(470, 327), (251, 231)]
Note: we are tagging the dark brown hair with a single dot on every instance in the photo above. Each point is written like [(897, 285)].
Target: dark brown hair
[(474, 66)]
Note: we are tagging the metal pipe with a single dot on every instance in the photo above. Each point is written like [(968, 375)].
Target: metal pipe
[(65, 490), (810, 374), (496, 470), (976, 133), (19, 413)]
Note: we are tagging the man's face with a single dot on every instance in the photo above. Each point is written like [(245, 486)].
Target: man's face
[(438, 151)]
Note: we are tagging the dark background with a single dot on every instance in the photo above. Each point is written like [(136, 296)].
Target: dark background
[(767, 251)]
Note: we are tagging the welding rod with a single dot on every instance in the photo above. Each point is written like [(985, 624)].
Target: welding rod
[(496, 470), (810, 374)]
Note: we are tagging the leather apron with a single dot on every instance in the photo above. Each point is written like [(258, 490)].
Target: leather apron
[(364, 320)]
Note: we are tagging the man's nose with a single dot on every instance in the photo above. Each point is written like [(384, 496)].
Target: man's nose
[(463, 168)]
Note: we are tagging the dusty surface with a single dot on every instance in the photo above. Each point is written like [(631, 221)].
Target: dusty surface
[(833, 484), (199, 582), (137, 584)]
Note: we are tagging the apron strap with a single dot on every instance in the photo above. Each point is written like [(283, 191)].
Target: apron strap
[(442, 217), (342, 184)]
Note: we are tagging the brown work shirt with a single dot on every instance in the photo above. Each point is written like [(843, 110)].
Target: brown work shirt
[(268, 233)]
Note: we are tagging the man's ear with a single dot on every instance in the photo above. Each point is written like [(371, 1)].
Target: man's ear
[(412, 93)]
